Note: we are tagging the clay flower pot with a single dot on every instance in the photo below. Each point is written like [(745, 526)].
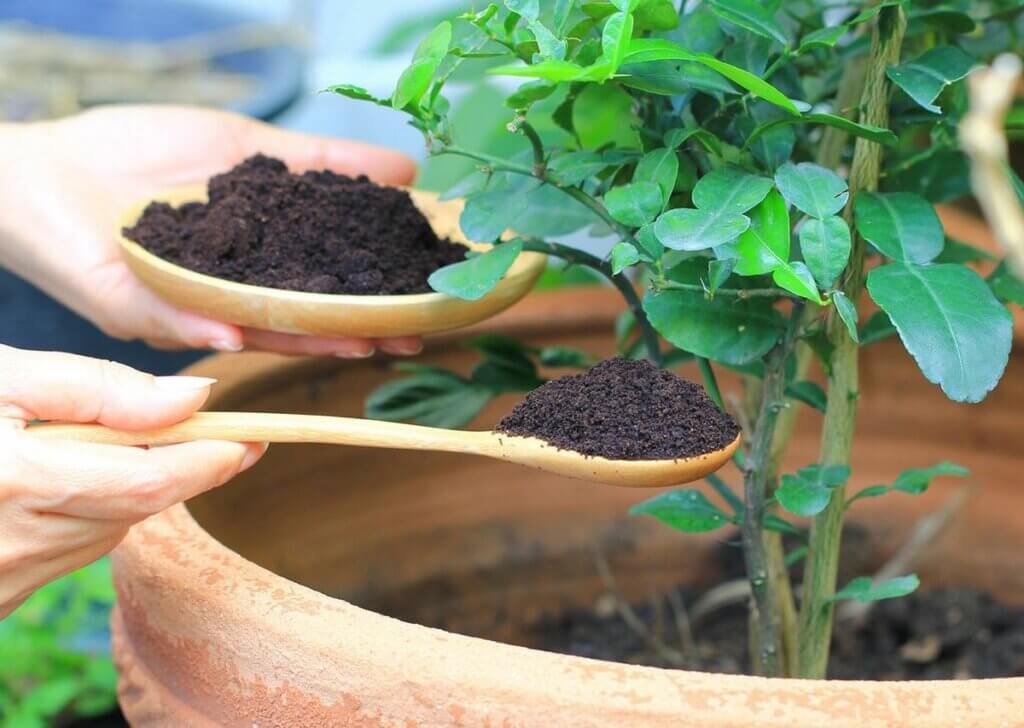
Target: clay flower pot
[(260, 604)]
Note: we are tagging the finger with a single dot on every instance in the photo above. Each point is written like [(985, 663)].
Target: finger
[(303, 152), (54, 386), (402, 345), (106, 482), (296, 345)]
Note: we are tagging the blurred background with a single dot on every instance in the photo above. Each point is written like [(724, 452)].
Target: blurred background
[(266, 58)]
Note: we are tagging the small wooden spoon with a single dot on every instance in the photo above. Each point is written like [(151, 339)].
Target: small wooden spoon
[(261, 427), (322, 314)]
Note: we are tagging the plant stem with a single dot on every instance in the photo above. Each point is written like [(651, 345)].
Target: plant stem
[(740, 293), (707, 374), (840, 413), (539, 162), (767, 656)]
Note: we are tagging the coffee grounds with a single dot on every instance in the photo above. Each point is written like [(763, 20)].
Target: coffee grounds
[(318, 232), (623, 409)]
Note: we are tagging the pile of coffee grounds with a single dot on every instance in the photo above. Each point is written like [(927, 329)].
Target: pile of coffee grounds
[(623, 409), (318, 232)]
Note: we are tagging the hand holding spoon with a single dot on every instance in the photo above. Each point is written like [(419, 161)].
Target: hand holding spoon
[(529, 451)]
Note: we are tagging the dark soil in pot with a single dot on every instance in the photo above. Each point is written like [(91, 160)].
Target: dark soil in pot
[(318, 232)]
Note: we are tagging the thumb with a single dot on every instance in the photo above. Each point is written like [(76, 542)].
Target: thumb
[(51, 386)]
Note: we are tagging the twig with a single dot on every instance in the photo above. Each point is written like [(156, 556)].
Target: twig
[(923, 535), (722, 595), (683, 626), (981, 132)]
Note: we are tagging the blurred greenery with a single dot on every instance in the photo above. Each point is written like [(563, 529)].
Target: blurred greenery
[(54, 652)]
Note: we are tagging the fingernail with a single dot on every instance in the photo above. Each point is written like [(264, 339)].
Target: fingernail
[(365, 354), (403, 350), (184, 384), (225, 345), (253, 455)]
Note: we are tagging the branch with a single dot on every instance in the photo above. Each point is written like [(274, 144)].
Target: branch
[(740, 293)]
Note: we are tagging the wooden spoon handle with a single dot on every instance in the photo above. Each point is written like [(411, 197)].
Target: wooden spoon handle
[(268, 427)]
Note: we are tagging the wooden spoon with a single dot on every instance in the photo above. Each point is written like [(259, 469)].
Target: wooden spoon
[(261, 427), (323, 314)]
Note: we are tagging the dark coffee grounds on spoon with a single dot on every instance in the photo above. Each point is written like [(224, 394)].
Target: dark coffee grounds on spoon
[(318, 232), (623, 409)]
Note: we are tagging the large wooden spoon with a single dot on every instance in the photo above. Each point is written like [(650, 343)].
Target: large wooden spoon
[(529, 451)]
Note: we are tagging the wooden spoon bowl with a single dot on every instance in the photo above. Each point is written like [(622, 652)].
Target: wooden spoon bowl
[(321, 314)]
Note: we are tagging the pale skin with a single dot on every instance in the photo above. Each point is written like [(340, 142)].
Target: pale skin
[(63, 185)]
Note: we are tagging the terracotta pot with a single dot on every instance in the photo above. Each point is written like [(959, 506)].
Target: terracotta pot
[(260, 604)]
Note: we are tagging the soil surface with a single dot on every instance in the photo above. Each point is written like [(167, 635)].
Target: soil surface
[(318, 232), (623, 409)]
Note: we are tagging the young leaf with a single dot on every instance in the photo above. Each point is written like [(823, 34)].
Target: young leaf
[(916, 480), (808, 492), (926, 76), (872, 133), (618, 30), (949, 321), (356, 92), (796, 278), (623, 256), (825, 245), (730, 331), (547, 43), (764, 246), (847, 313), (902, 225), (634, 204), (863, 589), (661, 167), (751, 15), (529, 9), (812, 189), (415, 80), (730, 190), (472, 279), (684, 510), (551, 70), (687, 229)]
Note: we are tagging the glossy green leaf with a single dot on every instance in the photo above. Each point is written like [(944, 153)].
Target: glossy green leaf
[(673, 78), (730, 190), (796, 278), (847, 313), (764, 246), (634, 204), (902, 225), (604, 115), (949, 321), (415, 80), (472, 279), (656, 15), (625, 6), (643, 50), (825, 245), (552, 70), (863, 589), (661, 167), (875, 134), (916, 480), (623, 256), (529, 93), (688, 229), (926, 76), (429, 396), (723, 329), (548, 44), (529, 9), (684, 510), (752, 15), (812, 189), (808, 492), (1006, 286), (615, 39)]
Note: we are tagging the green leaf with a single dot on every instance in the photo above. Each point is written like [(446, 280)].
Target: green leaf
[(575, 167), (808, 492), (552, 70), (604, 115), (661, 167), (949, 321), (644, 50), (719, 272), (1006, 286), (751, 15), (618, 30), (873, 491), (356, 92), (730, 331), (472, 279), (810, 393), (430, 396), (563, 11), (675, 138), (764, 247), (625, 6), (945, 18), (490, 213), (825, 245), (649, 242), (548, 45), (822, 38), (876, 328), (623, 256), (956, 251), (876, 134), (634, 204), (796, 278), (528, 93), (529, 9), (812, 189), (916, 480), (415, 80), (863, 589), (902, 225), (673, 78), (564, 357), (684, 510), (730, 190), (926, 76), (687, 229), (847, 313), (656, 15)]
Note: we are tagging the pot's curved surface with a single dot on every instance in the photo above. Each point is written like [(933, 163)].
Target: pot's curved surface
[(224, 617)]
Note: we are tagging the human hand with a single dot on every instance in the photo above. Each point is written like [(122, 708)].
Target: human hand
[(64, 504), (67, 181)]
